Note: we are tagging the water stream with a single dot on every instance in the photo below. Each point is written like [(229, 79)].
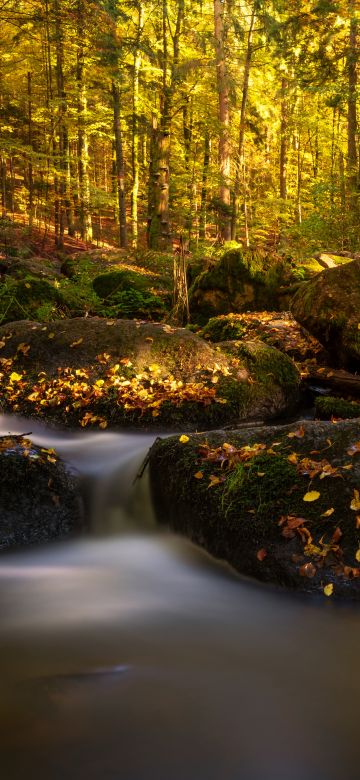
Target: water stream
[(132, 655)]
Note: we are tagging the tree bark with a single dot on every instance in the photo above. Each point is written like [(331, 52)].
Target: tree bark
[(120, 165), (224, 117), (135, 127), (83, 143), (240, 162)]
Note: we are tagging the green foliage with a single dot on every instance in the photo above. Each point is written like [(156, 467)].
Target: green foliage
[(224, 328), (29, 298), (133, 303), (329, 406), (109, 284)]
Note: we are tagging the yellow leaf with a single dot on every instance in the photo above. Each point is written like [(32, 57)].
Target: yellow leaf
[(99, 383), (76, 343), (329, 589), (328, 512), (199, 475), (213, 480), (184, 439), (14, 377), (27, 285), (357, 556), (313, 495), (355, 504), (154, 367), (51, 335)]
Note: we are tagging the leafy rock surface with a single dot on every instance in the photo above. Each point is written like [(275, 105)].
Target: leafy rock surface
[(329, 307), (280, 504), (99, 372), (38, 497)]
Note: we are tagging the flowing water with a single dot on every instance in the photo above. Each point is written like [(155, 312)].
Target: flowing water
[(132, 655)]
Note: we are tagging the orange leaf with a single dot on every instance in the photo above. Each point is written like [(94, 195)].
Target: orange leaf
[(261, 554)]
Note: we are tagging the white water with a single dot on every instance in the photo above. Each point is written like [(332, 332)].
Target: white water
[(133, 656)]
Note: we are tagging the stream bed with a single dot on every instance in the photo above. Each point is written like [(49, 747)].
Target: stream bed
[(129, 654)]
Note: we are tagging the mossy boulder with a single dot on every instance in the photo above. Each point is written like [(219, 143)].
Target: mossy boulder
[(124, 372), (226, 286), (278, 503), (108, 284), (235, 283), (329, 406), (329, 306), (30, 297), (278, 329), (39, 499)]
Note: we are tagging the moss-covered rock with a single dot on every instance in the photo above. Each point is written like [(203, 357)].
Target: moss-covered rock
[(140, 374), (328, 406), (236, 283), (279, 504), (278, 329), (30, 298), (39, 499), (108, 284), (328, 306)]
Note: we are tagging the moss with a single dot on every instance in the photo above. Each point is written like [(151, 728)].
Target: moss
[(262, 485), (105, 285), (224, 327), (327, 407), (29, 298)]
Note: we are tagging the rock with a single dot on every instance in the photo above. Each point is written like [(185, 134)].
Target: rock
[(131, 373), (38, 267), (38, 497), (278, 329), (240, 494), (328, 306), (106, 285), (329, 406), (235, 284), (29, 297)]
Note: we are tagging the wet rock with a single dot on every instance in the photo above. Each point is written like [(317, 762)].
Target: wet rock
[(280, 504), (124, 372), (39, 499), (328, 306)]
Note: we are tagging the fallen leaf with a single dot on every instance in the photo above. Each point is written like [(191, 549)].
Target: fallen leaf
[(214, 480), (328, 589), (307, 570), (313, 495), (76, 343), (199, 475), (184, 439), (357, 556), (354, 448), (14, 377), (261, 554), (355, 504), (328, 512)]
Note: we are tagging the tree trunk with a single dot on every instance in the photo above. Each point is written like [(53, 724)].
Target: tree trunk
[(244, 97), (120, 165), (30, 142), (204, 185), (83, 144), (135, 128), (352, 166), (283, 139), (224, 116), (61, 162)]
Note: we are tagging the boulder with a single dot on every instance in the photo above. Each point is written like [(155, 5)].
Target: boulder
[(278, 329), (38, 497), (280, 504), (329, 307), (94, 371), (235, 284), (29, 297)]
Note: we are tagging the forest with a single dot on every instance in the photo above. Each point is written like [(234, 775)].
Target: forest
[(180, 252), (138, 121)]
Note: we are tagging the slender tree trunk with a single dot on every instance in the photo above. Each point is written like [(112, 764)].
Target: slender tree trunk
[(120, 165), (159, 232), (284, 139), (30, 142), (224, 117), (204, 186), (244, 97), (352, 162), (83, 143), (135, 128), (62, 163)]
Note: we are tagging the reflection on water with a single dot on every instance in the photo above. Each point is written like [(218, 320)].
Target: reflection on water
[(135, 657)]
